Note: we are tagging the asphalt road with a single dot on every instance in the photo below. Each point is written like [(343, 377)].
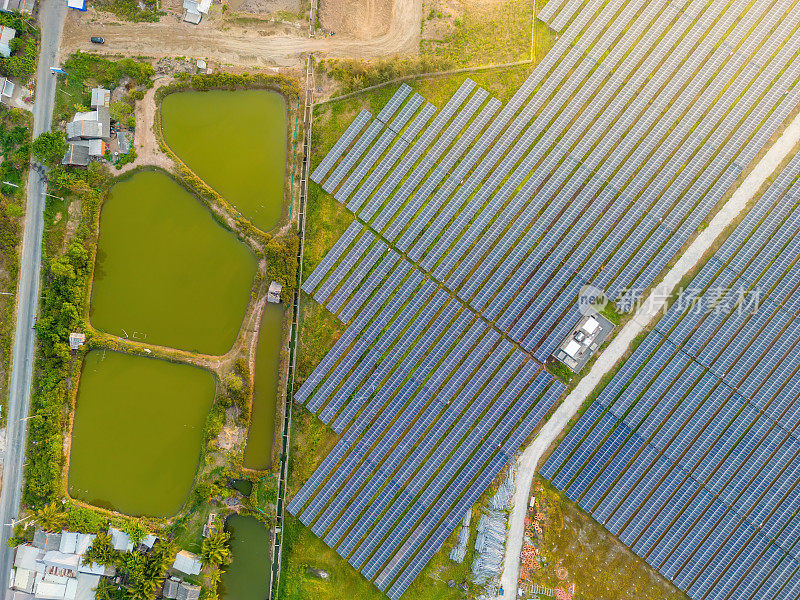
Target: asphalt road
[(51, 21)]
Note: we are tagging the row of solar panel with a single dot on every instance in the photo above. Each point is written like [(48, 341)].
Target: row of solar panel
[(674, 459)]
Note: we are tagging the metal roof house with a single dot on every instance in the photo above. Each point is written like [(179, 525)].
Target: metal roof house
[(6, 35), (100, 97), (77, 155), (76, 340), (124, 142), (193, 10), (171, 587), (187, 591), (120, 540), (187, 563)]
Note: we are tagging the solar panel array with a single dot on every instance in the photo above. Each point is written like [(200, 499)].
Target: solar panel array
[(691, 453), (478, 224)]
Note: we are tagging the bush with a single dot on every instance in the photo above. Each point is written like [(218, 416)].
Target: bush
[(22, 62), (50, 147), (89, 67)]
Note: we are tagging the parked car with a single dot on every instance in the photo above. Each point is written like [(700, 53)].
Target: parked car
[(96, 39)]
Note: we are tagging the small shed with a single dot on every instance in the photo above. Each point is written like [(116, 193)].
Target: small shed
[(100, 97), (6, 35), (171, 587), (187, 591), (274, 292), (76, 340), (149, 540), (77, 4), (211, 525), (6, 87), (187, 563), (124, 142), (77, 155), (120, 540)]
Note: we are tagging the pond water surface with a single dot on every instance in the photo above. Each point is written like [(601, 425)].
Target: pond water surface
[(247, 577), (236, 142), (166, 272), (260, 435), (137, 433)]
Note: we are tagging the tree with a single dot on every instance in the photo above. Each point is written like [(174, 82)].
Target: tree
[(50, 517), (50, 147), (136, 530), (101, 551), (216, 548)]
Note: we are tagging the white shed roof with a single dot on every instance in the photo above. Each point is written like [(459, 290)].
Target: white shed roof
[(591, 325), (69, 539), (120, 540), (572, 348)]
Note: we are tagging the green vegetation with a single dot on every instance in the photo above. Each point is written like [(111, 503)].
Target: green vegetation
[(50, 147), (481, 33), (141, 574), (132, 10), (85, 71), (15, 132), (24, 47), (353, 74), (597, 563)]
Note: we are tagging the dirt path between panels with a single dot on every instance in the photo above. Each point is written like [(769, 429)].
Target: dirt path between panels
[(242, 47)]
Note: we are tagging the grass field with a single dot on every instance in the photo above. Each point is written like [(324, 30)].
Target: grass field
[(600, 566), (477, 32)]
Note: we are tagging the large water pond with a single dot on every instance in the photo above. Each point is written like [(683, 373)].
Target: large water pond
[(236, 142), (260, 436), (247, 577), (167, 273), (137, 433)]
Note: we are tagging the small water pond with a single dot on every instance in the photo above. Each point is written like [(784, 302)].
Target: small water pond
[(137, 433), (166, 272), (247, 577), (236, 142)]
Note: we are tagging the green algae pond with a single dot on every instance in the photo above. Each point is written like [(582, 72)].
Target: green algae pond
[(236, 142), (166, 272), (137, 433), (260, 435), (247, 577)]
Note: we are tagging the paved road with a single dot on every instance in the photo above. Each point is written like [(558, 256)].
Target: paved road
[(51, 20), (652, 306)]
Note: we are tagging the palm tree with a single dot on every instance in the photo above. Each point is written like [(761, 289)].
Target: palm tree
[(105, 590), (135, 529), (101, 551), (50, 517), (216, 549)]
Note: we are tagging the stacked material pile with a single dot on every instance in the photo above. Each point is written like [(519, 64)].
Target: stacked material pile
[(459, 551)]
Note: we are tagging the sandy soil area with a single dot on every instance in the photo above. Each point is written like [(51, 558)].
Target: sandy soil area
[(362, 19), (229, 44)]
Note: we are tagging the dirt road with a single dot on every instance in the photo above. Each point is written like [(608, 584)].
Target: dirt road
[(245, 47)]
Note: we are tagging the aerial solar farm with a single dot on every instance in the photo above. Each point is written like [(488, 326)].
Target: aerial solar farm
[(478, 225)]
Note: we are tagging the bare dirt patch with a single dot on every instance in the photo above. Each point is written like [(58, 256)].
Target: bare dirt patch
[(362, 19)]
